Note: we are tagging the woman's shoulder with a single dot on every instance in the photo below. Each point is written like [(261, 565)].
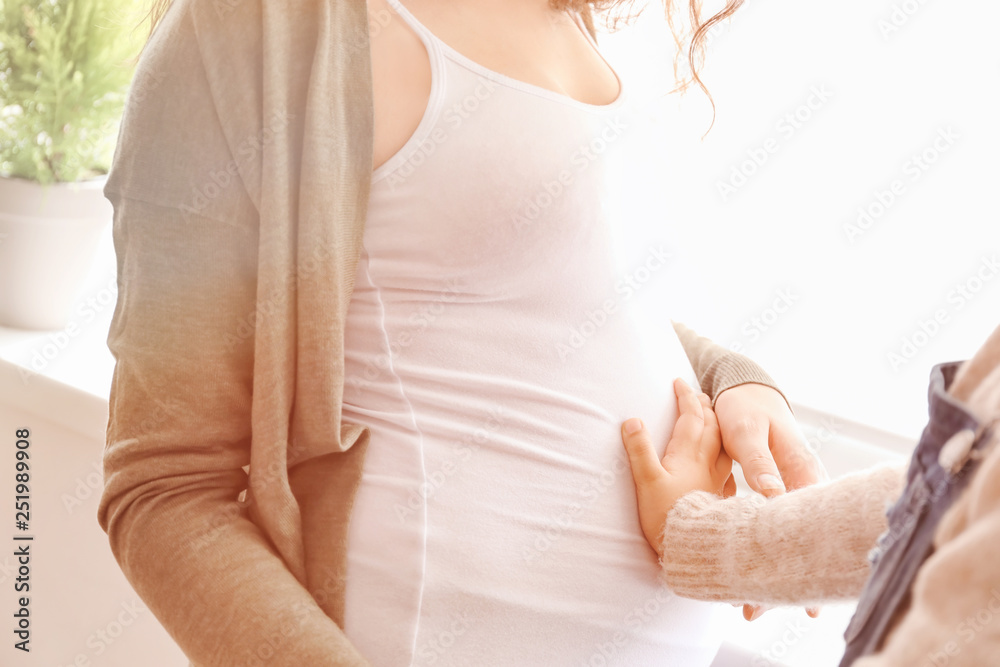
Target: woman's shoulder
[(194, 98), (217, 82)]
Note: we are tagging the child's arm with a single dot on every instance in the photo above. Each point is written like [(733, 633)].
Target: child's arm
[(805, 547), (800, 548)]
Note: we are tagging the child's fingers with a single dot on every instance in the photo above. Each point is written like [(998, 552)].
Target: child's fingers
[(688, 400), (689, 425), (642, 457), (711, 433)]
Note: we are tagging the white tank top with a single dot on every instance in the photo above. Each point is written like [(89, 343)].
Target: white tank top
[(496, 338)]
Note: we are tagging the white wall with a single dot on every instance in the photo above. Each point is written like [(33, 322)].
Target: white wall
[(782, 231)]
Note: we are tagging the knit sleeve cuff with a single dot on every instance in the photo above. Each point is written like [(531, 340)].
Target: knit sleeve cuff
[(806, 546), (718, 368), (696, 544), (733, 369)]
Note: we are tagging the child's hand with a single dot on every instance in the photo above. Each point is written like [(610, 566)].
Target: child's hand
[(694, 461)]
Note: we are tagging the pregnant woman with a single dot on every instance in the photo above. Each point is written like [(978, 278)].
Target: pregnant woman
[(389, 258)]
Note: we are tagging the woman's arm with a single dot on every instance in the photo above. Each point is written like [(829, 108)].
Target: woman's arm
[(186, 237), (756, 421), (718, 368), (178, 437), (805, 547)]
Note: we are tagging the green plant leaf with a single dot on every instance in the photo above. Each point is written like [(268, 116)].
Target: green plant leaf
[(65, 69)]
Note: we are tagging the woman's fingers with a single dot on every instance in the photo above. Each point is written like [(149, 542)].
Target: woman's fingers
[(642, 457), (745, 414), (729, 489), (723, 468)]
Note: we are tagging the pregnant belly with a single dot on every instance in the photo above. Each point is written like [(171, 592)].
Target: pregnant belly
[(496, 521)]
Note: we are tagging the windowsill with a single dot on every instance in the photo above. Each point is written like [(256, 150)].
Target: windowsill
[(76, 355)]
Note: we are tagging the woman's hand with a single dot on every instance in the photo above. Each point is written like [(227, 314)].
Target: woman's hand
[(694, 460), (760, 433)]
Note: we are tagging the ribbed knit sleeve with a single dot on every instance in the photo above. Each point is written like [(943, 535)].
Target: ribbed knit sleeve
[(807, 546), (718, 368)]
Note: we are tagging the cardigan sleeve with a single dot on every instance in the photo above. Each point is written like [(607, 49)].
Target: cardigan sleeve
[(179, 431), (807, 546), (717, 368), (177, 441)]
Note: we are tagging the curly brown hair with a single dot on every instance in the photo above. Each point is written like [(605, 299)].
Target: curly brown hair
[(693, 32)]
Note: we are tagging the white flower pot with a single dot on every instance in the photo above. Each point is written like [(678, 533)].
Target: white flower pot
[(48, 240)]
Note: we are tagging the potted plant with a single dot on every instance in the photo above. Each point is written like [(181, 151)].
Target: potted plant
[(65, 68)]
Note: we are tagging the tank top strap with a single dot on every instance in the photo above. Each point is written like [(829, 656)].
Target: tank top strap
[(440, 52), (422, 31)]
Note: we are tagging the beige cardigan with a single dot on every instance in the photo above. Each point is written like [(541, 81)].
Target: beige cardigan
[(240, 187)]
